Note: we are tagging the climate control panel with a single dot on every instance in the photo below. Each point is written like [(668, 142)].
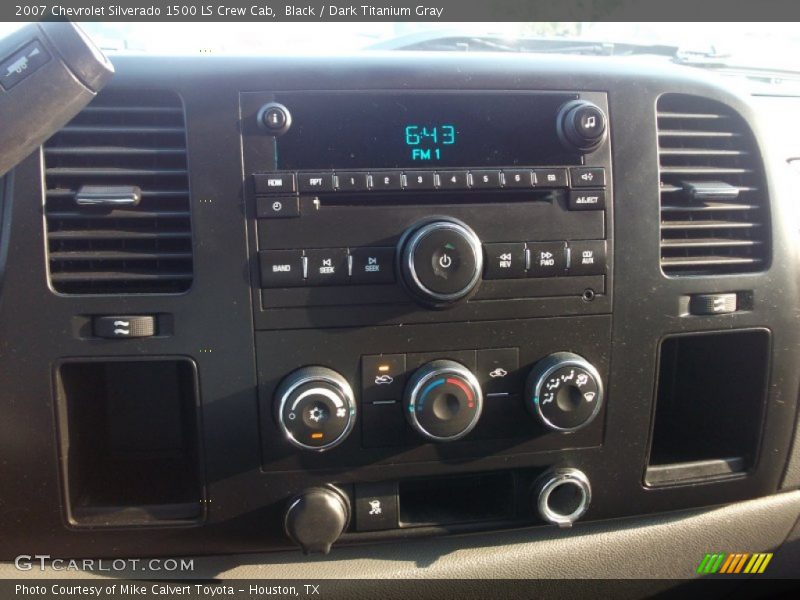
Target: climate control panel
[(407, 400)]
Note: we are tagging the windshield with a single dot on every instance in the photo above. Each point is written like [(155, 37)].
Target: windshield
[(773, 46)]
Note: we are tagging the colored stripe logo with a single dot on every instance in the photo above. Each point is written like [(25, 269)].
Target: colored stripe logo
[(734, 563)]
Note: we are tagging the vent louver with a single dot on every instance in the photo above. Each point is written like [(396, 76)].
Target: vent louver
[(125, 140), (714, 207)]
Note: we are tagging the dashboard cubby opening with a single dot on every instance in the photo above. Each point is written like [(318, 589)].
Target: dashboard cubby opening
[(457, 500), (709, 412), (129, 441)]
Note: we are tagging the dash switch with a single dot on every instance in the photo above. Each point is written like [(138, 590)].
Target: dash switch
[(712, 304), (120, 327)]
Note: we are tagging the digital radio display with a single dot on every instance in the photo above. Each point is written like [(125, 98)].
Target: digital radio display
[(337, 130)]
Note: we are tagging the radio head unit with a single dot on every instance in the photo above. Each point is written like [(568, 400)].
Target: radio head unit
[(406, 201)]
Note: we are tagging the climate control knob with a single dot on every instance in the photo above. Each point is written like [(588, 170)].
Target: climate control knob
[(443, 401), (441, 261), (315, 408), (564, 391)]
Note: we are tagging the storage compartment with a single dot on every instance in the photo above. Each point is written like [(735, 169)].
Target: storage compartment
[(452, 500), (129, 441), (709, 406)]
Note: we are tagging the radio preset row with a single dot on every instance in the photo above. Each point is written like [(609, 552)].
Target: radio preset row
[(451, 179)]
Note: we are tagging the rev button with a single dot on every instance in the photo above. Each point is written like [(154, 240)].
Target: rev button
[(504, 261)]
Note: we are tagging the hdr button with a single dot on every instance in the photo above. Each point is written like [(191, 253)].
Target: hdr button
[(327, 266), (504, 261), (372, 265), (274, 183), (376, 506), (587, 258), (547, 259)]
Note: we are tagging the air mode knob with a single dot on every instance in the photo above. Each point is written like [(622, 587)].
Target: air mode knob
[(564, 391), (315, 408), (581, 125), (441, 261), (443, 401)]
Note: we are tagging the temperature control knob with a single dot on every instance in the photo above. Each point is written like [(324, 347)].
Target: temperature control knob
[(581, 126), (315, 408), (443, 401), (441, 261), (564, 391)]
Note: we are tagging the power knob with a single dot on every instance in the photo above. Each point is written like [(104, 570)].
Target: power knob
[(441, 261), (581, 126), (315, 408), (564, 391)]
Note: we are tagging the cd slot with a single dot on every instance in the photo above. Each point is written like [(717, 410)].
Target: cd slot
[(412, 198)]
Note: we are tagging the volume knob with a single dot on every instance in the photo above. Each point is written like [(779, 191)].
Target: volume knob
[(441, 261)]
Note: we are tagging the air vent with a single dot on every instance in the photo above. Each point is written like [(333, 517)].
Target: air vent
[(134, 141), (714, 207)]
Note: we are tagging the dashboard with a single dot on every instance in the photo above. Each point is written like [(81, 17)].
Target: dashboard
[(343, 301)]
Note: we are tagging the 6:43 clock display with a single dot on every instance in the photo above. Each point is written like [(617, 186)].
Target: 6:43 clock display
[(429, 142)]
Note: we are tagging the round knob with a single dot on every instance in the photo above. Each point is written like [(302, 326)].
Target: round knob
[(275, 118), (581, 125), (441, 261), (564, 391), (443, 401), (315, 407), (316, 518), (562, 496)]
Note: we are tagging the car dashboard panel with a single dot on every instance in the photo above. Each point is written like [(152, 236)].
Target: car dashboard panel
[(372, 298)]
